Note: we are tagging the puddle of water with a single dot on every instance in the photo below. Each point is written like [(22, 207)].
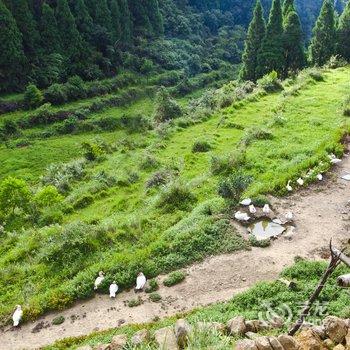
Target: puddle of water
[(265, 229)]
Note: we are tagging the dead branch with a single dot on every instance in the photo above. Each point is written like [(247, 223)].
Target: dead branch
[(334, 262), (345, 259)]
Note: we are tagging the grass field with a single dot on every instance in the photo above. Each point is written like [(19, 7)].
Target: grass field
[(114, 220)]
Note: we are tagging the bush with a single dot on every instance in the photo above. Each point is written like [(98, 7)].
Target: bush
[(47, 196), (155, 297), (33, 97), (135, 302), (159, 178), (270, 82), (174, 278), (225, 165), (256, 133), (58, 320), (75, 88), (148, 162), (135, 123), (42, 115), (68, 126), (336, 61), (201, 147), (166, 107), (176, 196), (83, 202), (152, 286), (316, 75), (92, 151), (9, 128), (233, 187), (56, 94)]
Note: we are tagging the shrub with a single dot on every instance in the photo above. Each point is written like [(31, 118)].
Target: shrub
[(68, 126), (148, 162), (270, 82), (256, 133), (174, 278), (42, 115), (107, 123), (152, 286), (92, 151), (135, 123), (316, 75), (225, 165), (135, 302), (56, 94), (159, 178), (47, 196), (336, 61), (58, 320), (83, 202), (166, 107), (175, 196), (201, 147), (259, 243), (75, 88), (9, 128), (233, 187), (133, 177), (155, 297), (33, 97), (50, 217)]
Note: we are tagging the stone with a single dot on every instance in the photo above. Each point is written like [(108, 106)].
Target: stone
[(256, 326), (335, 328), (102, 347), (275, 344), (339, 347), (210, 326), (320, 331), (252, 335), (182, 332), (328, 344), (347, 339), (246, 344), (288, 342), (165, 338), (308, 340), (236, 326), (85, 347), (277, 322), (118, 342), (140, 337), (262, 343)]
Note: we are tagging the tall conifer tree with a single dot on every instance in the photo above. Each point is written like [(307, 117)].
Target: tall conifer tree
[(255, 36), (293, 43), (288, 6), (127, 25), (83, 19), (50, 37), (343, 36), (11, 51), (271, 56), (323, 41), (116, 19)]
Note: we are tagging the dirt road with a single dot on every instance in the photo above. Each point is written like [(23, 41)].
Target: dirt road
[(321, 212)]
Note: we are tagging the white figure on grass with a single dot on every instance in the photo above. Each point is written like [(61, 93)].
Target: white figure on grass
[(241, 216), (140, 282), (113, 289), (99, 280), (17, 315), (266, 209)]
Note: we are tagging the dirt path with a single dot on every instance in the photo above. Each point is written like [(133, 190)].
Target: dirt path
[(321, 212)]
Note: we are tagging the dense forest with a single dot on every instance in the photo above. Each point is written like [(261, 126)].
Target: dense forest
[(45, 42)]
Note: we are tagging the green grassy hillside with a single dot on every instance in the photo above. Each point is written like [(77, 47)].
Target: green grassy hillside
[(138, 195)]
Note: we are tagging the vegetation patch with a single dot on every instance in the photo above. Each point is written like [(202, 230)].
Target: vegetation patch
[(174, 278)]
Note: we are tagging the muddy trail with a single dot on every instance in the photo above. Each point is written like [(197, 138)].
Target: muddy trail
[(321, 212)]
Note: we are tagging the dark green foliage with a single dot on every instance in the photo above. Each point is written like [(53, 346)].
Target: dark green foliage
[(33, 97), (343, 33), (50, 36), (58, 320), (176, 196), (271, 55), (56, 94), (270, 82), (92, 151), (255, 36), (232, 188), (293, 43), (166, 107), (201, 147), (152, 286), (155, 297), (323, 41), (174, 278), (135, 302), (11, 51)]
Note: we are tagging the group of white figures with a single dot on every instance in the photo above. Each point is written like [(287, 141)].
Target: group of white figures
[(242, 216), (141, 281)]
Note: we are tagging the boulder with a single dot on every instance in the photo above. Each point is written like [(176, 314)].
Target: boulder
[(339, 347), (347, 339), (335, 328), (277, 322), (118, 342), (210, 326), (236, 326), (102, 347), (246, 344), (182, 332), (288, 342), (328, 344), (257, 326), (84, 347), (308, 340), (262, 343), (275, 344), (252, 335), (140, 337), (165, 338), (320, 331)]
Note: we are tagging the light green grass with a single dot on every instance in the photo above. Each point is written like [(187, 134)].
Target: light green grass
[(143, 236)]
